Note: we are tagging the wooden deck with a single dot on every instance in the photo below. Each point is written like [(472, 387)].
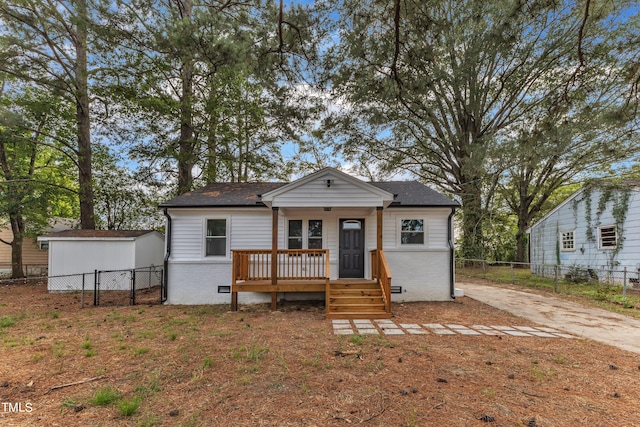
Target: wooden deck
[(298, 285), (308, 271)]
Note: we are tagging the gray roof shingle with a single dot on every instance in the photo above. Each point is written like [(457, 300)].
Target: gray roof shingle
[(247, 194), (98, 233)]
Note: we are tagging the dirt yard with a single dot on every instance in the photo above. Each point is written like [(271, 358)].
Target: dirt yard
[(151, 365)]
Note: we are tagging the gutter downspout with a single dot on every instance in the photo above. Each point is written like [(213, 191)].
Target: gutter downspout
[(452, 282), (167, 254)]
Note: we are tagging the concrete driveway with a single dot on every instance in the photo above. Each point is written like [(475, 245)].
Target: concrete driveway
[(593, 323)]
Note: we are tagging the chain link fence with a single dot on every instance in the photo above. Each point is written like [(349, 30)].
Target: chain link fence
[(112, 287), (29, 270), (601, 283)]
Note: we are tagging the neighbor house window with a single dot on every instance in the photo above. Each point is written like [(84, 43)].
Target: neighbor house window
[(608, 237), (412, 231), (296, 237), (567, 241), (216, 238), (44, 245)]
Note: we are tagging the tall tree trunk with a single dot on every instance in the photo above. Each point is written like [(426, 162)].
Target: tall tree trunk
[(186, 144), (17, 228), (85, 182), (212, 151), (522, 241), (472, 217)]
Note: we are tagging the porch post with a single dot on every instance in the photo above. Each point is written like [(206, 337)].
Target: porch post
[(379, 239), (274, 255)]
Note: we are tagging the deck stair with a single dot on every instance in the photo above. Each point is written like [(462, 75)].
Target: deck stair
[(355, 299)]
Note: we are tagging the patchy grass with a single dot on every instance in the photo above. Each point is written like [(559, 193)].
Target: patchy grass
[(105, 396), (256, 367)]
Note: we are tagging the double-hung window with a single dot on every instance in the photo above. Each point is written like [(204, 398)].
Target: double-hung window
[(216, 237), (304, 234), (412, 231)]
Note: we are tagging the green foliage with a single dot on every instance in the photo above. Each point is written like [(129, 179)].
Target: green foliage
[(482, 107), (121, 202), (357, 339), (128, 407), (7, 321), (105, 396)]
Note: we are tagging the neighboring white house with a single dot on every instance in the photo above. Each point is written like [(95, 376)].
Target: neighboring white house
[(597, 227), (74, 252), (327, 210)]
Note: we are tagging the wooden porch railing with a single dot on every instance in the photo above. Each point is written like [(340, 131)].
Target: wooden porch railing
[(381, 273), (293, 264)]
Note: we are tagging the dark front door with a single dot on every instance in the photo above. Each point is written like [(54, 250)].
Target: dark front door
[(351, 248)]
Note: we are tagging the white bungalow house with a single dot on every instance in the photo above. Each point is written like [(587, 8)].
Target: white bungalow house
[(598, 227), (355, 242)]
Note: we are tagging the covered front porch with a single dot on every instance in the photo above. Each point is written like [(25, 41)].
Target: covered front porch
[(323, 214)]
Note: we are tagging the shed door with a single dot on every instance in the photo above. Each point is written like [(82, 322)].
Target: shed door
[(351, 248)]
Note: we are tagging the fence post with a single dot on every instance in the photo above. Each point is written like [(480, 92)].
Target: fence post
[(555, 278), (96, 285), (513, 275), (163, 291), (133, 286), (82, 299), (624, 284)]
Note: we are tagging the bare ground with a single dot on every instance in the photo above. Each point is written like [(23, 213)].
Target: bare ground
[(205, 366)]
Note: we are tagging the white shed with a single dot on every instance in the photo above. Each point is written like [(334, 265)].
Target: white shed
[(75, 252)]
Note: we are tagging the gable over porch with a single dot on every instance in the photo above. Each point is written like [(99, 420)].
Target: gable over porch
[(344, 204)]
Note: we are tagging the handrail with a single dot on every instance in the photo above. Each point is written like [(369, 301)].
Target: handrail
[(379, 264), (293, 264)]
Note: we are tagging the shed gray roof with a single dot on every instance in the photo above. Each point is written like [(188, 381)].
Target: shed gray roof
[(247, 194), (84, 234)]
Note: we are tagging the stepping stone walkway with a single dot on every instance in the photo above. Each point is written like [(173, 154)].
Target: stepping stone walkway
[(388, 327)]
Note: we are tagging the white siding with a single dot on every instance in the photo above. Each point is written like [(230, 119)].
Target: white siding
[(317, 194), (421, 270)]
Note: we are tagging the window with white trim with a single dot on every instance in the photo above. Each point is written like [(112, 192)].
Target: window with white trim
[(216, 237), (296, 238), (608, 237), (412, 231), (44, 245), (567, 241)]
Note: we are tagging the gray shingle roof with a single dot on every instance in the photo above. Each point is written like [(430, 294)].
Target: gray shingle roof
[(414, 193), (247, 194), (98, 233), (224, 194)]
